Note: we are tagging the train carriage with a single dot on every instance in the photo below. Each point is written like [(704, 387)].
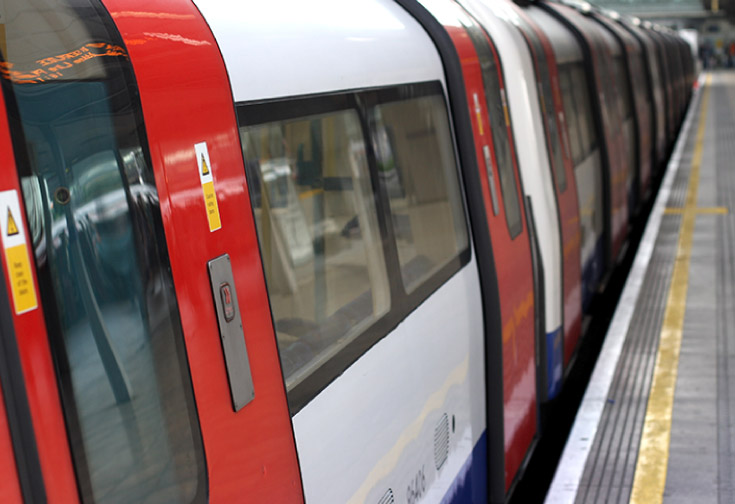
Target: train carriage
[(509, 229), (565, 183), (599, 53), (655, 93), (584, 146), (322, 252), (668, 80), (538, 186), (633, 85), (620, 108)]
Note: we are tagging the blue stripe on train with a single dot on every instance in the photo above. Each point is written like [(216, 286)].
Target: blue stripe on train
[(470, 485), (554, 362), (591, 275)]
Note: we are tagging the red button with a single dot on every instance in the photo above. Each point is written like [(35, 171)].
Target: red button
[(227, 304)]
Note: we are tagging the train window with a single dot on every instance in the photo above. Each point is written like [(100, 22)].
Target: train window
[(416, 166), (497, 109), (611, 95), (546, 97), (621, 73), (359, 215), (638, 69), (582, 106), (104, 271), (319, 235), (654, 71), (570, 112), (546, 101)]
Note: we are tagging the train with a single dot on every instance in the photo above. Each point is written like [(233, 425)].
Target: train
[(324, 251)]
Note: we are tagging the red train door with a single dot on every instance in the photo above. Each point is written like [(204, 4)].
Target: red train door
[(19, 462), (20, 466), (140, 309), (32, 427), (512, 249)]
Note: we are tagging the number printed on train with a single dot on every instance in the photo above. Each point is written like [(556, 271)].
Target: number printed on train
[(325, 251)]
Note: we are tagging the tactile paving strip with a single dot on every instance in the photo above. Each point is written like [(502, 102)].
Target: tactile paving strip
[(608, 475), (725, 142)]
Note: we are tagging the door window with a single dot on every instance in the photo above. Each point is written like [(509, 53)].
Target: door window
[(99, 247)]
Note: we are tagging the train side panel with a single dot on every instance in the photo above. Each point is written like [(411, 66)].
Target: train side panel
[(623, 105), (560, 156), (655, 96), (536, 174), (637, 86), (509, 232), (410, 403), (599, 65), (585, 149), (250, 450)]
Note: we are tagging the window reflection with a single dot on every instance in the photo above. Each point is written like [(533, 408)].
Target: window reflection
[(416, 167), (497, 109), (105, 278), (318, 229), (359, 215)]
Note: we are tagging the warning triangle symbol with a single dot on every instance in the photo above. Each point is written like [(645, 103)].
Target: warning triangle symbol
[(12, 226), (205, 168)]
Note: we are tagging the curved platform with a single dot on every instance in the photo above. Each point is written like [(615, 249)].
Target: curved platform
[(657, 423)]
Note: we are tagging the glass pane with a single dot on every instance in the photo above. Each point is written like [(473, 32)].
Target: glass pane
[(499, 126), (582, 106), (319, 238), (607, 76), (417, 167), (546, 102), (98, 239), (570, 112), (547, 106), (584, 103), (622, 83)]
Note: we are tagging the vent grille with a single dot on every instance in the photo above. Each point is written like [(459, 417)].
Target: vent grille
[(387, 498), (441, 441)]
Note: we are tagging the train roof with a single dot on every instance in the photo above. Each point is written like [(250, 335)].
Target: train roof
[(566, 47), (285, 48), (610, 40), (613, 22)]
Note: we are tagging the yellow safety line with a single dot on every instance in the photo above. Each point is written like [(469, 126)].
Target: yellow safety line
[(650, 473), (700, 211)]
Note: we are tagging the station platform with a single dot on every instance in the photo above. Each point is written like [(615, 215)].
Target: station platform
[(657, 422)]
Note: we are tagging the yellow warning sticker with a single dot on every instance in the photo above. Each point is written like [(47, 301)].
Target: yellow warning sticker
[(24, 292), (204, 166), (210, 199), (12, 226), (16, 254)]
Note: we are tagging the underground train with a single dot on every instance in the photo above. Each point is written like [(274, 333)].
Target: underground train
[(320, 251)]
